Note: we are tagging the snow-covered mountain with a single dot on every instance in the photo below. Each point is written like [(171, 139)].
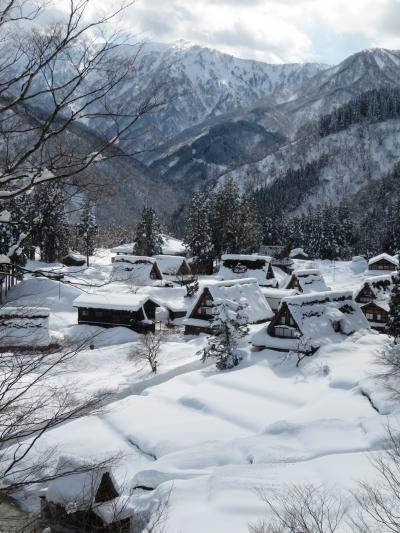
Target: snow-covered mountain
[(226, 116), (255, 160), (199, 84)]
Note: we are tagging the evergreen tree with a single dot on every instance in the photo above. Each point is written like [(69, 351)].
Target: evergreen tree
[(225, 218), (50, 230), (229, 326), (87, 229), (249, 231), (148, 240), (198, 231), (393, 325)]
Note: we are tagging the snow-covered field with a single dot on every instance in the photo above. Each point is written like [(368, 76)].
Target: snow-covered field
[(215, 437)]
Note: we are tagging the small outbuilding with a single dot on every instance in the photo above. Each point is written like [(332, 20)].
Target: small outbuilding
[(306, 281), (135, 311), (138, 270), (238, 266), (305, 322), (383, 262), (203, 310)]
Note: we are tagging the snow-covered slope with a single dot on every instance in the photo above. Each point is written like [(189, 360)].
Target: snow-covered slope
[(352, 159), (210, 438)]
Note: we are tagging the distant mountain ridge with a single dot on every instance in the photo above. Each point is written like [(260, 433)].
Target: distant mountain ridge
[(247, 119), (259, 161)]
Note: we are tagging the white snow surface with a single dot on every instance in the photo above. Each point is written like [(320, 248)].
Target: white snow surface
[(213, 437)]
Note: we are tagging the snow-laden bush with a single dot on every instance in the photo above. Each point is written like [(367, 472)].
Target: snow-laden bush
[(229, 326)]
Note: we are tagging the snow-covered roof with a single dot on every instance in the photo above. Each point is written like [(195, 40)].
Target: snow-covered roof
[(271, 292), (236, 291), (318, 314), (123, 248), (244, 257), (4, 260), (384, 257), (24, 312), (297, 251), (171, 298), (24, 326), (259, 272), (134, 259), (275, 296), (380, 286), (119, 302), (170, 264), (133, 268), (77, 489), (172, 245), (310, 280)]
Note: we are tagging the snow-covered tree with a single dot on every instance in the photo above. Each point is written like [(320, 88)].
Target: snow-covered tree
[(249, 230), (393, 325), (87, 229), (148, 240), (225, 218), (198, 231), (229, 326), (49, 229)]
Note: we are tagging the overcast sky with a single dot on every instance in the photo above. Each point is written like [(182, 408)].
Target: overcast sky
[(269, 30)]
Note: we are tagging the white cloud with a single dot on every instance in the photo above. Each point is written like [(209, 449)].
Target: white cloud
[(269, 30)]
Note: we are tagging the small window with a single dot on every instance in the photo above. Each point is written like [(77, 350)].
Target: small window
[(378, 317), (85, 312), (153, 275), (369, 316), (285, 332)]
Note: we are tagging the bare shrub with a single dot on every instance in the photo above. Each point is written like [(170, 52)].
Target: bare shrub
[(301, 509), (379, 501), (148, 349)]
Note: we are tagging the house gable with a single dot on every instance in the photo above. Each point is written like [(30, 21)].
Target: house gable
[(283, 324), (204, 306), (106, 490), (294, 283), (382, 264), (376, 315), (365, 295), (155, 272)]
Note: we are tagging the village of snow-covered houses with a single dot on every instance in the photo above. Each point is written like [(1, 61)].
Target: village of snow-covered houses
[(199, 283)]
